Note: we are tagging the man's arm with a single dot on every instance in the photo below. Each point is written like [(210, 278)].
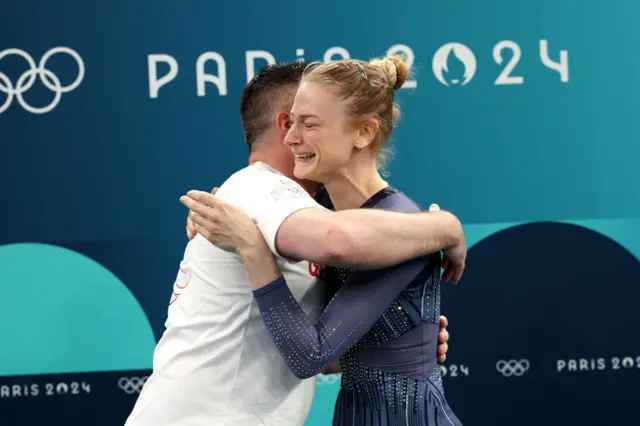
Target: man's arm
[(366, 238), (295, 226)]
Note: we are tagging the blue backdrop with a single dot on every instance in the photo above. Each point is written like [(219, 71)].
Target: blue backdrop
[(527, 111)]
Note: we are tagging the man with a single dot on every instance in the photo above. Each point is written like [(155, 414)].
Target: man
[(216, 363)]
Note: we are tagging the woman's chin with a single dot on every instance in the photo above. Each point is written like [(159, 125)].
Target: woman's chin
[(301, 171)]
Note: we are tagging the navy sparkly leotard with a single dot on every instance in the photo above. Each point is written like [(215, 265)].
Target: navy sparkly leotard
[(382, 325)]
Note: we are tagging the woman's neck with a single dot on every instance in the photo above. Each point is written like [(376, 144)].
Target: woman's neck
[(352, 186)]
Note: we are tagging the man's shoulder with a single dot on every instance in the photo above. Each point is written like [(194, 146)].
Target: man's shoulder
[(261, 179), (244, 182), (258, 186), (258, 175)]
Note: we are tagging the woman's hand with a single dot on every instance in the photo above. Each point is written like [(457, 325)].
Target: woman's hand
[(224, 225), (231, 229)]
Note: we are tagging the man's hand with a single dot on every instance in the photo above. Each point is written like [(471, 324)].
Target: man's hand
[(333, 369), (454, 258), (443, 339)]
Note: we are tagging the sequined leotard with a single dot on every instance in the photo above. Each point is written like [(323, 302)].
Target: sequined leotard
[(382, 325)]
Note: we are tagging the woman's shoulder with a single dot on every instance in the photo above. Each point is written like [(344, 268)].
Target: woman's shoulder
[(391, 198)]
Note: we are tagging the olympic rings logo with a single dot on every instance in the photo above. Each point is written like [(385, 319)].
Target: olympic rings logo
[(327, 379), (132, 385), (28, 78), (512, 367)]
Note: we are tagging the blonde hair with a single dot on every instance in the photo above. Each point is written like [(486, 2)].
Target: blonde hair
[(369, 88)]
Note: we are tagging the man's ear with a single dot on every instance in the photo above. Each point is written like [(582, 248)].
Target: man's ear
[(283, 122)]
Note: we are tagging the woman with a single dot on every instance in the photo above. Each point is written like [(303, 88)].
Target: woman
[(382, 325)]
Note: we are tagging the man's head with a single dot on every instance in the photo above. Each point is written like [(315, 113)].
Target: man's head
[(270, 91), (264, 108)]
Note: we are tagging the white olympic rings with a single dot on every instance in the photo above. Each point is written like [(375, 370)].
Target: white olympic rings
[(327, 379), (132, 385), (512, 367), (28, 78)]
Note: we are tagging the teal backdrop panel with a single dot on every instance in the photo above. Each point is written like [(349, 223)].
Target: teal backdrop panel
[(520, 117)]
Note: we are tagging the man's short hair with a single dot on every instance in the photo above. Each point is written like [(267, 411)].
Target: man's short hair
[(268, 92)]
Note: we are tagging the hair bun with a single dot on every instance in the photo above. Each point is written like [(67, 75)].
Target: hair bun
[(395, 68), (401, 74)]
